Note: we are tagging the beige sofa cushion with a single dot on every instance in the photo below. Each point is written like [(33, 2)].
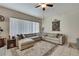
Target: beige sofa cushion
[(26, 40), (52, 35)]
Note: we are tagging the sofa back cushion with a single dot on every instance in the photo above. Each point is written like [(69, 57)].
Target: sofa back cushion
[(52, 35), (30, 35)]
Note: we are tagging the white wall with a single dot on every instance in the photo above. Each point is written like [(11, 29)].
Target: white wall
[(5, 26), (69, 25), (7, 13)]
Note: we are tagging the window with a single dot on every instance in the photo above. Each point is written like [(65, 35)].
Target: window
[(18, 26)]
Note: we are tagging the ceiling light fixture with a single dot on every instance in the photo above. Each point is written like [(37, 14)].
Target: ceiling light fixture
[(44, 5)]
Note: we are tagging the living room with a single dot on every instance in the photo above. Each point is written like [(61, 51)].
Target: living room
[(55, 26)]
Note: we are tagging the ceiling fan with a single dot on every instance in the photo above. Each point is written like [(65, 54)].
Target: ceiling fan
[(44, 6)]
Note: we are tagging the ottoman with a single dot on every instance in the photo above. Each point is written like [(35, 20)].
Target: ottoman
[(25, 43)]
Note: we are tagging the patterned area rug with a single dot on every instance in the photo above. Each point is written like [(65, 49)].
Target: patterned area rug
[(40, 48)]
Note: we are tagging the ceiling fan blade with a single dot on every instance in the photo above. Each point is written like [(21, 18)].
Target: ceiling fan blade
[(50, 5), (37, 6)]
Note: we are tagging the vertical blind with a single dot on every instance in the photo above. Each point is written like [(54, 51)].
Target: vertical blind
[(18, 26)]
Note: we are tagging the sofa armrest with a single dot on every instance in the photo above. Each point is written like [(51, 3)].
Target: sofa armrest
[(17, 40), (61, 39)]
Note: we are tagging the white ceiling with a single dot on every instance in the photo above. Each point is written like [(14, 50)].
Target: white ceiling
[(29, 8)]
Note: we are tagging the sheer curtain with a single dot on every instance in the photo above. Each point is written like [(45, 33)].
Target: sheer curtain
[(18, 26)]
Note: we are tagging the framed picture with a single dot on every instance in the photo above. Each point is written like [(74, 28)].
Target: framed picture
[(56, 26)]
